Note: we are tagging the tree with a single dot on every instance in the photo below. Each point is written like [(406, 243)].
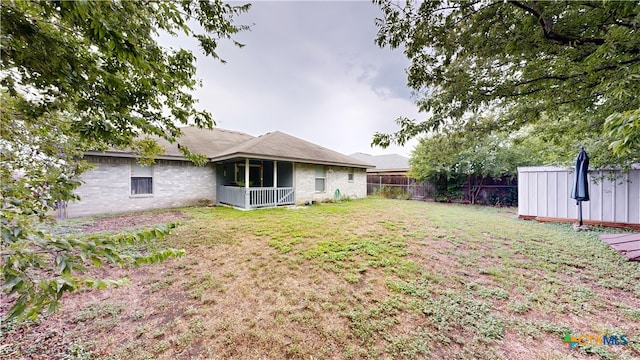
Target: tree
[(449, 160), (434, 159), (625, 128), (529, 62), (79, 76)]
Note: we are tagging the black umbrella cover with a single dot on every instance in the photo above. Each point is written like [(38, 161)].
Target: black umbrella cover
[(580, 190)]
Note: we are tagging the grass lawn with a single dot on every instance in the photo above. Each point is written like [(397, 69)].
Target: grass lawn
[(371, 278)]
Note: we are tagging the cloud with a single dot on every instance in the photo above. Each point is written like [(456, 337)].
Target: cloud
[(310, 69)]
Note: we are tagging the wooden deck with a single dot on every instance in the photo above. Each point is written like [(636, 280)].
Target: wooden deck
[(626, 244)]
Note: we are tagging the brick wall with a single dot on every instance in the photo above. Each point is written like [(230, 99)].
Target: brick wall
[(336, 177), (107, 187)]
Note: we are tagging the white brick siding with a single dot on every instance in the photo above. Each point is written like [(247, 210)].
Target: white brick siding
[(336, 177), (106, 188)]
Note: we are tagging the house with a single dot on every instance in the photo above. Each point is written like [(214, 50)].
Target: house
[(391, 174), (389, 169), (243, 171)]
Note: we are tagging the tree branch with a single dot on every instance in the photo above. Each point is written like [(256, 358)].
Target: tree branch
[(549, 31), (474, 12), (563, 77)]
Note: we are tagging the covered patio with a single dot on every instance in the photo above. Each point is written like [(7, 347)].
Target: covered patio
[(255, 183)]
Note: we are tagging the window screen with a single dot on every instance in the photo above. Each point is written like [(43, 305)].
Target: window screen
[(320, 180), (141, 179)]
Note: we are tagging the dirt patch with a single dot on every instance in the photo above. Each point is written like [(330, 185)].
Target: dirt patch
[(251, 285), (115, 223), (51, 338)]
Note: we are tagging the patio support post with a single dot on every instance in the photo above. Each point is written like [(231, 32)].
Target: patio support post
[(275, 182), (246, 184)]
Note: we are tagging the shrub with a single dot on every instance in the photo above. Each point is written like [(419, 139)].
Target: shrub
[(394, 192)]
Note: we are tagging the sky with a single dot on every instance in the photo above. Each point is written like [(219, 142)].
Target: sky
[(311, 70)]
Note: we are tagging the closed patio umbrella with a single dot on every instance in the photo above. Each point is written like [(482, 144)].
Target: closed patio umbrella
[(580, 190)]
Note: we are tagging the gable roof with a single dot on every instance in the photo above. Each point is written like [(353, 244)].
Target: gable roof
[(280, 146), (219, 144), (208, 142), (384, 162)]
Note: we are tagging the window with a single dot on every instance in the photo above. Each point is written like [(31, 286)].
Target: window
[(320, 179), (141, 180), (255, 175), (350, 175)]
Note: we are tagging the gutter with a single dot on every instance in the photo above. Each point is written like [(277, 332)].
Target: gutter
[(118, 154), (292, 159)]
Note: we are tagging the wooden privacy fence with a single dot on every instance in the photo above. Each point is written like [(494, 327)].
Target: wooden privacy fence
[(485, 194), (413, 191), (543, 194)]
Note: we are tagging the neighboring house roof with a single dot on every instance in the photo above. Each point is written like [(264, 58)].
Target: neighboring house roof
[(219, 144), (280, 146), (391, 162)]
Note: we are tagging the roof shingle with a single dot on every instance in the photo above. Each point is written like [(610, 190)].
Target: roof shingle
[(280, 146), (384, 162), (219, 144)]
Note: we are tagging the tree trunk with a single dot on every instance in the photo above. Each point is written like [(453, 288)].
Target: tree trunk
[(476, 192), (470, 191)]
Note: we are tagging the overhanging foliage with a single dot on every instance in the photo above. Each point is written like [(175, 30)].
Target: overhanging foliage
[(532, 63), (78, 76)]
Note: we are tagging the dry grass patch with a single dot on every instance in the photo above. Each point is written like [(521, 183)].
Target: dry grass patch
[(370, 278)]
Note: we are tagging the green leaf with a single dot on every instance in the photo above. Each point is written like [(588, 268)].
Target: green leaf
[(96, 261), (16, 286), (17, 310), (97, 80), (61, 264), (559, 70), (17, 231)]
